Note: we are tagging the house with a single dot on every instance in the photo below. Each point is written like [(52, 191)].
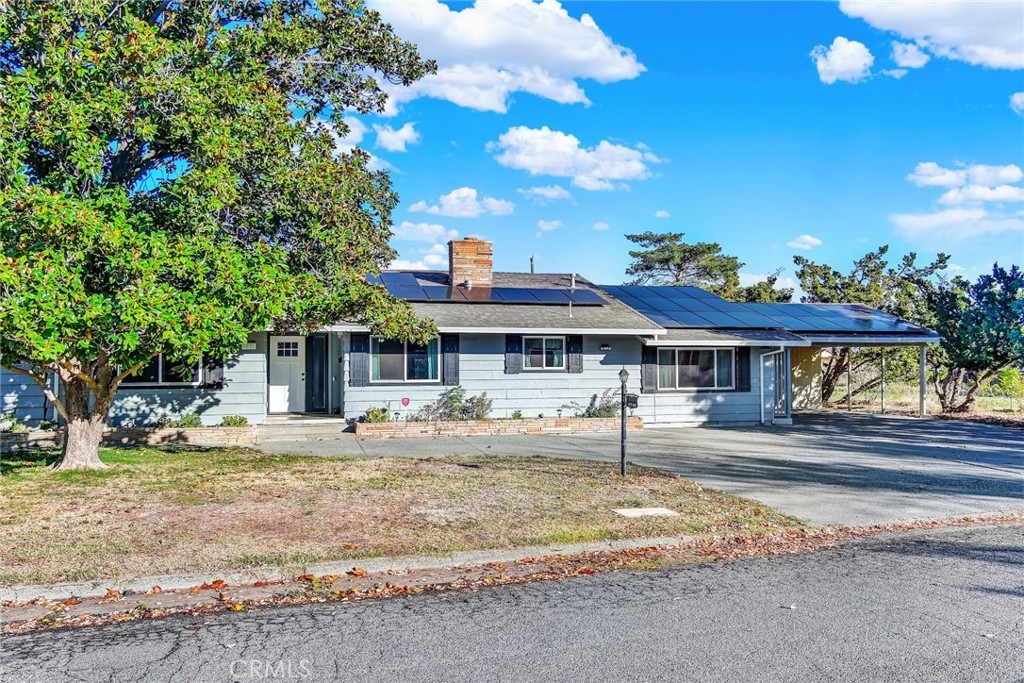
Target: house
[(536, 343)]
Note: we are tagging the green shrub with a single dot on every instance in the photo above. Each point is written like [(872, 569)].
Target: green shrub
[(189, 421), (234, 421), (11, 424), (517, 415), (453, 404), (376, 415), (607, 405)]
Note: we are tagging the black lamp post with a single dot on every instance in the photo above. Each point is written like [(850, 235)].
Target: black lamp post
[(623, 378)]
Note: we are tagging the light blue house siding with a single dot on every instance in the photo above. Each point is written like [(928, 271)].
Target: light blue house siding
[(481, 369), (22, 398), (244, 393)]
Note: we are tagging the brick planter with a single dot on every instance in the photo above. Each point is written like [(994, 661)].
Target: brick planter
[(162, 436), (538, 425)]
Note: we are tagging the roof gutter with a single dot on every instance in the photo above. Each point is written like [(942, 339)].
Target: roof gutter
[(608, 332)]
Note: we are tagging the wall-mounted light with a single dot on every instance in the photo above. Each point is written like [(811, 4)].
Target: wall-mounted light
[(606, 347)]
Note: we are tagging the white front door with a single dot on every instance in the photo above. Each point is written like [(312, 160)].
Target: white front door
[(287, 374)]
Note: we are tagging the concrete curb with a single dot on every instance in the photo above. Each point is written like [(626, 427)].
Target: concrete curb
[(380, 565)]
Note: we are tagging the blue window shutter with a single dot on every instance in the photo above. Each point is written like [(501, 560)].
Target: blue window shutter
[(213, 373), (513, 354), (743, 368), (449, 359), (359, 360), (649, 370), (574, 349)]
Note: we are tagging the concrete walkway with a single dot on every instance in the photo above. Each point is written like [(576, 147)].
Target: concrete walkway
[(828, 468)]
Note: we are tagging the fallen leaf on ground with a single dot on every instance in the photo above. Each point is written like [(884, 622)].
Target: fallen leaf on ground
[(356, 572)]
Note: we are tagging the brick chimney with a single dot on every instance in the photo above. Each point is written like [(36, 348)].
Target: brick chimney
[(470, 260)]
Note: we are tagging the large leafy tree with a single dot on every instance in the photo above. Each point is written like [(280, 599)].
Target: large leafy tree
[(982, 328), (899, 290), (665, 259), (169, 182)]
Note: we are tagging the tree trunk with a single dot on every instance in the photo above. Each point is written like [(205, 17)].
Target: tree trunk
[(84, 430)]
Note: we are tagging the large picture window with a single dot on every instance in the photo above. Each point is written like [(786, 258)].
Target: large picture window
[(160, 371), (695, 368), (399, 361), (543, 353)]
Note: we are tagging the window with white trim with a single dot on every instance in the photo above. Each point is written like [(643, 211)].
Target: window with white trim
[(544, 353), (400, 361), (287, 349), (162, 372), (690, 368)]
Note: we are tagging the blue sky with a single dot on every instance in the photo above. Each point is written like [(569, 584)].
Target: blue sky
[(820, 129)]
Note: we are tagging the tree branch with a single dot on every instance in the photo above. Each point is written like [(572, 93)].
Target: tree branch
[(47, 392)]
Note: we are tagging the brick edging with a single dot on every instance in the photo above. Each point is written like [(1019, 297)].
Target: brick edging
[(536, 425)]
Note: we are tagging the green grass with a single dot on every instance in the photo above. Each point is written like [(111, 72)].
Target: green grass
[(158, 510)]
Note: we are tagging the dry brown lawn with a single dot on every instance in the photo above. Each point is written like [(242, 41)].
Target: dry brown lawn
[(163, 511)]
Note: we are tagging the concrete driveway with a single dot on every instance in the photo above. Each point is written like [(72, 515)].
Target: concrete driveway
[(828, 468)]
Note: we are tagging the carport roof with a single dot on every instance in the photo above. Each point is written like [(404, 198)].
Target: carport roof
[(704, 337)]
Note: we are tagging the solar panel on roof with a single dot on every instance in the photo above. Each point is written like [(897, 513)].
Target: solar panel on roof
[(374, 279), (719, 319), (513, 295), (583, 297), (399, 279), (409, 293), (436, 292), (686, 319), (551, 296)]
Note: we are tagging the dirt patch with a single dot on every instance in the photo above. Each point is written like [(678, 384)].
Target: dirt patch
[(206, 510)]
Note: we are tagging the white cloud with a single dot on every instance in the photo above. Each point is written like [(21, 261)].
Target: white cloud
[(491, 50), (1017, 103), (424, 232), (661, 214), (436, 256), (545, 194), (971, 186), (805, 242), (976, 194), (402, 264), (894, 73), (548, 226), (601, 225), (955, 224), (909, 55), (929, 173), (396, 140), (462, 202), (844, 60), (973, 31), (542, 151), (353, 137)]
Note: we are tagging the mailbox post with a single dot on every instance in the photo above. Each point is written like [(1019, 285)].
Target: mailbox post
[(623, 378)]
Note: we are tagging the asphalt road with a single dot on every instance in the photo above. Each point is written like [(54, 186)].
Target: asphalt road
[(929, 606)]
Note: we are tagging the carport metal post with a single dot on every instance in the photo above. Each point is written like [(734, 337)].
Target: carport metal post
[(923, 387), (849, 371), (883, 380)]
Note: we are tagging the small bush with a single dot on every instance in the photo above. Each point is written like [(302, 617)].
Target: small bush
[(376, 415), (517, 415), (47, 424), (11, 424), (453, 404), (189, 421), (606, 406), (234, 421)]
